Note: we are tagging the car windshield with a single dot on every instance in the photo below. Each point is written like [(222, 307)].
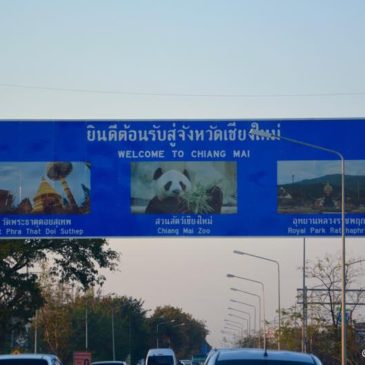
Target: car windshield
[(23, 362), (260, 362), (160, 360)]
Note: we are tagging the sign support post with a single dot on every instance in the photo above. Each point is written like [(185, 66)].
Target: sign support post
[(343, 237)]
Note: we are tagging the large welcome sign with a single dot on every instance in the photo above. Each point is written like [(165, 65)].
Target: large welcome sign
[(180, 178)]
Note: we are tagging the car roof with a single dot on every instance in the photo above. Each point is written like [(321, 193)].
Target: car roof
[(160, 351), (108, 362), (237, 354), (28, 356)]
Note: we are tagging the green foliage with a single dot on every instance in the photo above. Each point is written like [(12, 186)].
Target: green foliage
[(198, 199), (185, 335), (70, 260), (62, 326), (323, 330)]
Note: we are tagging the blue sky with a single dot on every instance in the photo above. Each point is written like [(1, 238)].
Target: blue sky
[(191, 47), (312, 169), (131, 59)]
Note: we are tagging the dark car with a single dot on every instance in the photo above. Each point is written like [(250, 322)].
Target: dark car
[(260, 357)]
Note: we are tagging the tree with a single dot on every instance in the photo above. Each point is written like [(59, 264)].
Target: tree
[(325, 275), (185, 335), (71, 260), (61, 325), (53, 319), (130, 327), (323, 330)]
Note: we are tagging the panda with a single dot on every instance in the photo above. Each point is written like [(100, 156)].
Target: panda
[(170, 189), (171, 186)]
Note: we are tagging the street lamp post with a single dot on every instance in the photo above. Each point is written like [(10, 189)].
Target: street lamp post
[(243, 319), (304, 327), (86, 327), (235, 324), (259, 298), (261, 133), (234, 328), (112, 322), (179, 325), (230, 322), (157, 328), (249, 305), (263, 299), (113, 335), (36, 332), (249, 318), (176, 325), (278, 267), (233, 334)]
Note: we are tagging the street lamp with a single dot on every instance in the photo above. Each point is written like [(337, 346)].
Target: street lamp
[(86, 326), (234, 323), (179, 325), (233, 328), (263, 298), (249, 316), (113, 337), (278, 267), (249, 305), (234, 334), (229, 340), (259, 298), (175, 326), (237, 325), (243, 319), (158, 326), (112, 315), (261, 133)]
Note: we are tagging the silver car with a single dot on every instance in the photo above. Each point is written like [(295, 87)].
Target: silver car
[(29, 359), (260, 357)]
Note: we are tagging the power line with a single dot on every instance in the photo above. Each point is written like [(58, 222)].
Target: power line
[(174, 94)]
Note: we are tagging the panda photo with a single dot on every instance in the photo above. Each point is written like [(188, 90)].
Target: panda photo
[(183, 187), (170, 187), (174, 194)]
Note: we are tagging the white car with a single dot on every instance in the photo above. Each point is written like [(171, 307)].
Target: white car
[(163, 356), (245, 356), (111, 362), (29, 359)]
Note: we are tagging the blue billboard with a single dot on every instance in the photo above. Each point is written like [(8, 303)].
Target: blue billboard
[(127, 178)]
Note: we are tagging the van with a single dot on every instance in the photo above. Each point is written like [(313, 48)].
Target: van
[(164, 356)]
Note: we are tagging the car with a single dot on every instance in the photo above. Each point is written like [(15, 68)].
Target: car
[(245, 356), (185, 362), (161, 356), (111, 362), (29, 359)]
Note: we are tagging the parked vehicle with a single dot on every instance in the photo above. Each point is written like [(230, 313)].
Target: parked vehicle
[(29, 359), (163, 356), (185, 362), (244, 356), (111, 362)]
